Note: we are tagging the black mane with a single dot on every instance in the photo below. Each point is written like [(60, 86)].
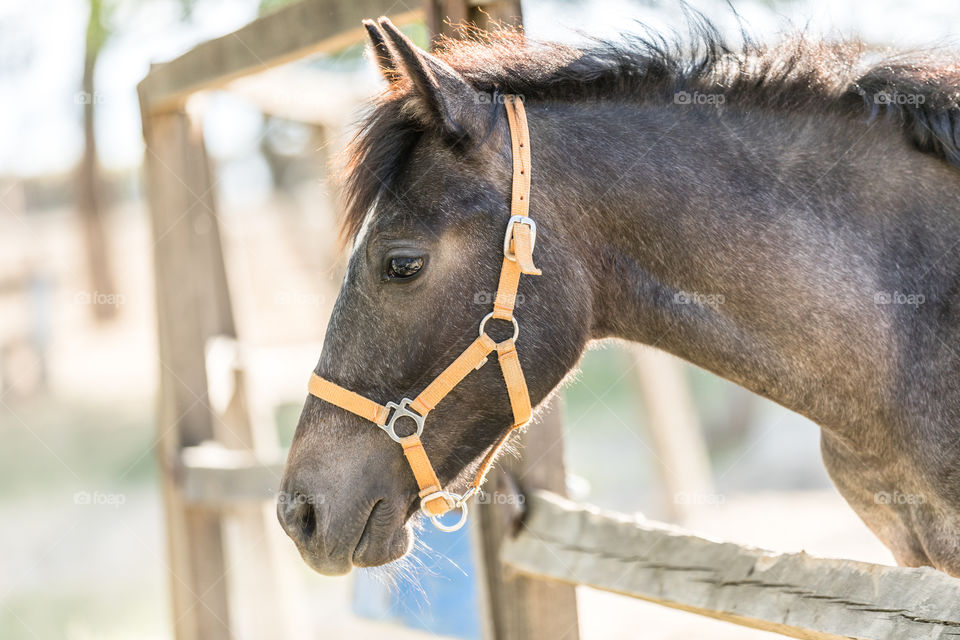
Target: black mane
[(921, 90)]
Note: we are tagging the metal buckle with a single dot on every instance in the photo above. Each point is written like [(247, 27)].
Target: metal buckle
[(400, 411), (516, 326), (454, 501), (527, 220)]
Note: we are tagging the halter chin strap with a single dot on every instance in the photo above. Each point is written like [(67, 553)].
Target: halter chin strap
[(518, 243)]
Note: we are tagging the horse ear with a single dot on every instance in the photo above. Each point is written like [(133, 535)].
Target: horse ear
[(381, 51), (446, 97)]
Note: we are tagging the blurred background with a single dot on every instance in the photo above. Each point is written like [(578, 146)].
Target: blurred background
[(81, 515)]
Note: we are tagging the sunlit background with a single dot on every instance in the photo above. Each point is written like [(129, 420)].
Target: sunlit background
[(81, 521)]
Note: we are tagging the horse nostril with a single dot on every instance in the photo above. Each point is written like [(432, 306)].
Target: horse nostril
[(306, 515), (297, 516)]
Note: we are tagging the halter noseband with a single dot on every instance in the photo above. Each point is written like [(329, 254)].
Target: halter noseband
[(518, 243)]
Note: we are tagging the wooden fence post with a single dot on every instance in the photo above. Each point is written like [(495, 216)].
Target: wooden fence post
[(444, 16), (192, 305), (198, 347), (677, 441), (516, 606)]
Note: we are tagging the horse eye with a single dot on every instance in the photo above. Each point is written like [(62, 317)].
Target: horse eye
[(404, 267)]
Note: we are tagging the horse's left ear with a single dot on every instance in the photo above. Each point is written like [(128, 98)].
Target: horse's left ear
[(381, 51), (447, 98)]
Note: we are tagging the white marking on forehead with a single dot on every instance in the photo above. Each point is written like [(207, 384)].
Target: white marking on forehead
[(364, 229), (361, 236)]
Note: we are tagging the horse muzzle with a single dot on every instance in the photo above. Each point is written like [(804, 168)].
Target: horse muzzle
[(335, 532)]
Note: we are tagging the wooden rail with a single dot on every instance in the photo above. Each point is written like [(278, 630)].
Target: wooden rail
[(214, 476), (794, 594), (288, 34)]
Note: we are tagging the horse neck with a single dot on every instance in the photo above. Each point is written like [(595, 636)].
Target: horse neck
[(757, 245)]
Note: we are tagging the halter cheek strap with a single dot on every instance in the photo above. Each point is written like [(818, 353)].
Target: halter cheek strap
[(518, 244)]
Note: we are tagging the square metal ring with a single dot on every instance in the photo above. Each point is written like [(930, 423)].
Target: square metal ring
[(508, 236), (399, 411)]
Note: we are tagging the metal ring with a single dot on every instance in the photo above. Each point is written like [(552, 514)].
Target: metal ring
[(454, 501), (400, 411), (516, 325), (452, 527)]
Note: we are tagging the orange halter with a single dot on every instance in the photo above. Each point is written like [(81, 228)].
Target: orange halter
[(518, 243)]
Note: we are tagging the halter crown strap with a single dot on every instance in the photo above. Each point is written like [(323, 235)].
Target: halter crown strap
[(521, 230), (518, 244)]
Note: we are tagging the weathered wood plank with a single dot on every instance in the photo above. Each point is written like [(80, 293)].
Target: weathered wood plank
[(290, 33), (792, 593), (515, 606)]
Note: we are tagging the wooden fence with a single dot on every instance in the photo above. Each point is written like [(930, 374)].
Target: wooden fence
[(794, 594), (221, 469)]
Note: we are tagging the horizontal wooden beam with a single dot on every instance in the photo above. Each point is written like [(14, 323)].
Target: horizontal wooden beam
[(288, 34), (789, 593), (213, 476)]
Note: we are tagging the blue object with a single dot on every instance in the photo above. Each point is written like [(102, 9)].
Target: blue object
[(437, 592)]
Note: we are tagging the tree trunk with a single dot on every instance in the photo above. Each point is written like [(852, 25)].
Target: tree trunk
[(89, 187)]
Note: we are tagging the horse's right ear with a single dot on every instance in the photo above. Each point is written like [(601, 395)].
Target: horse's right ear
[(445, 98), (381, 51)]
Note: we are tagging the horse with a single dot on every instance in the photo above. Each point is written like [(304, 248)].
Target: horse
[(786, 216)]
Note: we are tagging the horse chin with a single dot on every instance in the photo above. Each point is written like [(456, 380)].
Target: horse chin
[(379, 545), (325, 564)]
